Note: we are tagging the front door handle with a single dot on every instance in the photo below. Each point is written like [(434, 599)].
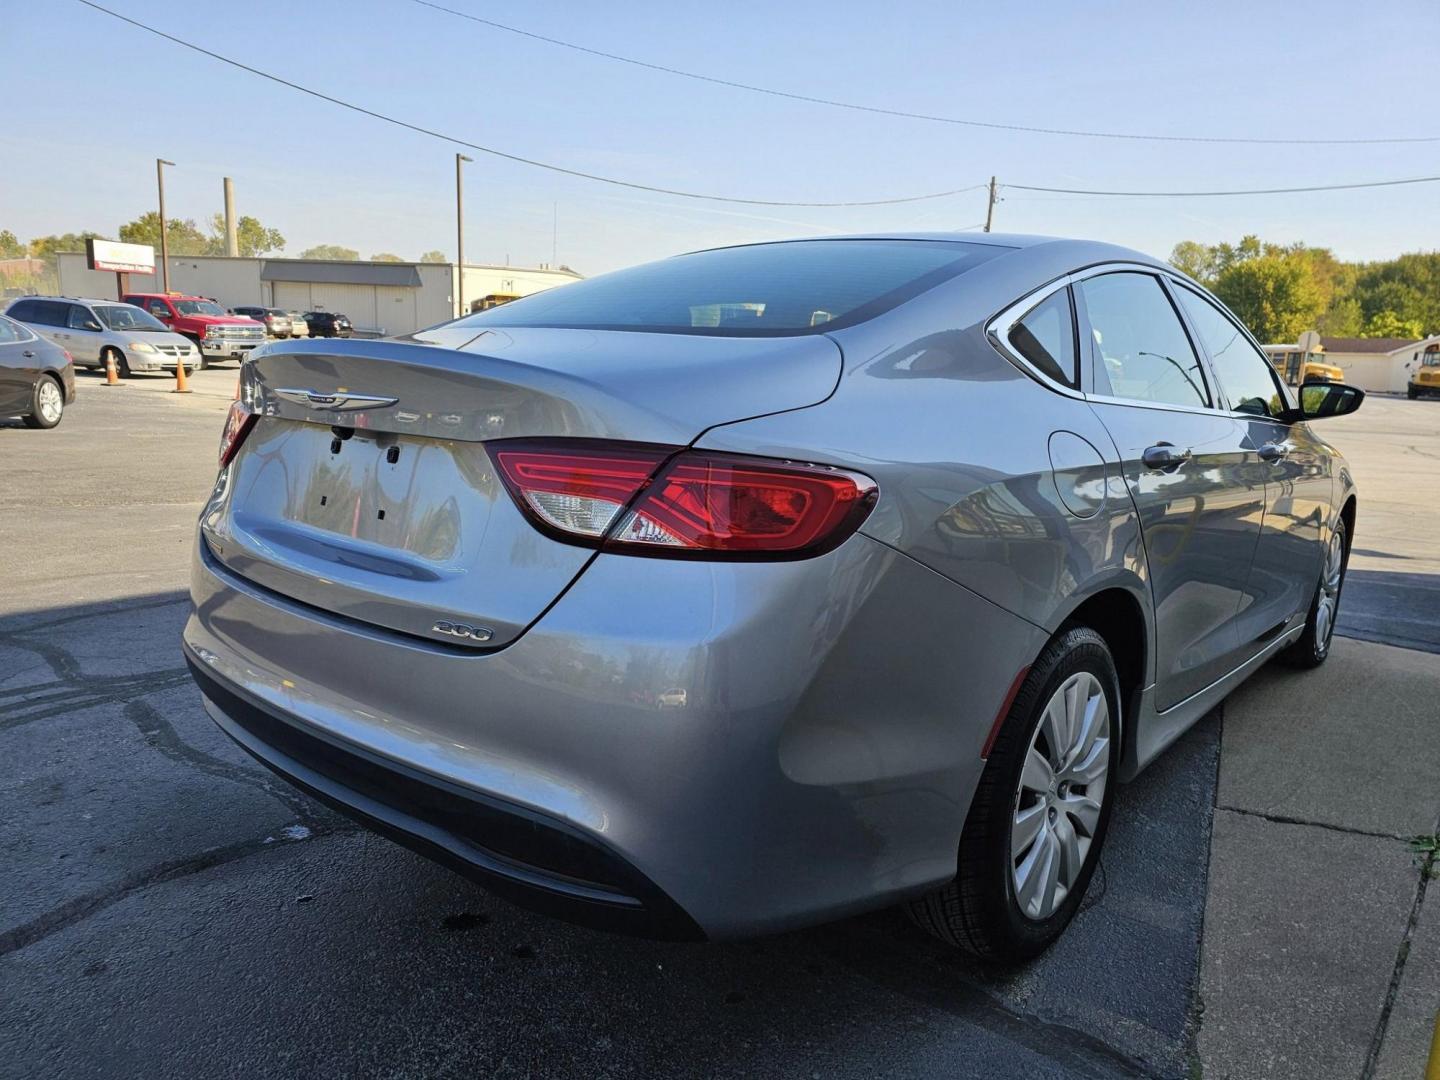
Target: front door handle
[(28, 352), (1165, 455), (1273, 451)]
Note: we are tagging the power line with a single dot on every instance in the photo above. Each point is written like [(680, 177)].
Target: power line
[(514, 157), (929, 117), (1211, 194)]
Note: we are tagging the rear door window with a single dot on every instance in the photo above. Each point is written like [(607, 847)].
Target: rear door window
[(51, 313), (1140, 346)]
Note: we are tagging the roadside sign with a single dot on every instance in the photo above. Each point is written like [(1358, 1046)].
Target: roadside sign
[(121, 258)]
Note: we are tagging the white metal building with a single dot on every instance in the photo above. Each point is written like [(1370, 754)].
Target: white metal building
[(391, 298)]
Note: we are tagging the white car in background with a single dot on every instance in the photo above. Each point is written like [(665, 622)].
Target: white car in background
[(93, 331), (298, 326)]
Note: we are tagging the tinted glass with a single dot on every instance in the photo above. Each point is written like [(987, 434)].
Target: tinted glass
[(127, 317), (24, 310), (198, 307), (1140, 344), (1245, 374), (8, 332), (764, 289), (1046, 337), (51, 313), (158, 307)]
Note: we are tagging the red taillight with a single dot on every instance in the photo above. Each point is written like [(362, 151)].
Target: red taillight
[(237, 425), (649, 501)]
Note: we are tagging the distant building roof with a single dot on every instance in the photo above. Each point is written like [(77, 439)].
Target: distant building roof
[(1366, 344), (315, 272)]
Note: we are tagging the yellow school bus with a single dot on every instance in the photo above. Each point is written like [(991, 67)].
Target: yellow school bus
[(1304, 361)]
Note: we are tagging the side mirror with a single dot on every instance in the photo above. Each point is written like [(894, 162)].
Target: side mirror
[(91, 324), (1321, 399)]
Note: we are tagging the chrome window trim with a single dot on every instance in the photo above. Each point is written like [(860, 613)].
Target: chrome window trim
[(998, 327)]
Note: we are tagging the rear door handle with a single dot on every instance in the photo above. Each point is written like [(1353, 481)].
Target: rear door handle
[(1273, 451), (1164, 455)]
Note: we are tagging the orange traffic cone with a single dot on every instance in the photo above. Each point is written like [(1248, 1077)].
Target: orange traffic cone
[(111, 379), (180, 386)]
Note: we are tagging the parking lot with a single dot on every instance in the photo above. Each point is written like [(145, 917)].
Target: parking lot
[(171, 909)]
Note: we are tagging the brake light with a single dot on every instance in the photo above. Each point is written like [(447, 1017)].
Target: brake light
[(237, 425), (642, 500)]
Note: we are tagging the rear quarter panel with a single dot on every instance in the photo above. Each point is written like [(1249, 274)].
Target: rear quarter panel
[(959, 441)]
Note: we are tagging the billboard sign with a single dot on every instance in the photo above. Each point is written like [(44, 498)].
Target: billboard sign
[(121, 258)]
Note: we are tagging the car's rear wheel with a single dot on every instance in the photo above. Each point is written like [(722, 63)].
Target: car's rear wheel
[(47, 403), (1411, 392), (122, 365), (1313, 646), (1038, 819)]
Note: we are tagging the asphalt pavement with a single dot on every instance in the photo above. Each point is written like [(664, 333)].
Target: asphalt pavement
[(172, 909)]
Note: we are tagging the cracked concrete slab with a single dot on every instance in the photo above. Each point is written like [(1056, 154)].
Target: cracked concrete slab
[(1415, 1015), (1351, 744), (1302, 926)]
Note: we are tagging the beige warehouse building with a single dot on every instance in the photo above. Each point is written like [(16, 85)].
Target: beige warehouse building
[(379, 297)]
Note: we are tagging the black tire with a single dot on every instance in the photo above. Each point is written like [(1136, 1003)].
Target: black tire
[(1312, 647), (36, 418), (1411, 392), (122, 365), (978, 910)]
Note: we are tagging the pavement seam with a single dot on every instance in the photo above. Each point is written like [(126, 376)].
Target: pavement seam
[(1282, 819), (1197, 999), (1402, 954), (82, 907)]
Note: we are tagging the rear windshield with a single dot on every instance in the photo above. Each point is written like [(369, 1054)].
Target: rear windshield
[(805, 286)]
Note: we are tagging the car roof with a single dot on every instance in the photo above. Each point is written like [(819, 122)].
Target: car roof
[(1080, 252)]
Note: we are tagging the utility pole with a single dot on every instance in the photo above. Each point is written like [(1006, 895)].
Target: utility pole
[(460, 159), (990, 206), (160, 164), (232, 238), (554, 232)]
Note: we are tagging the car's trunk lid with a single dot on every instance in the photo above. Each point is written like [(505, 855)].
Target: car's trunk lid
[(365, 488)]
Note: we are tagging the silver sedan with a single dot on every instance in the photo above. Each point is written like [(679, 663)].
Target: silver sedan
[(764, 585)]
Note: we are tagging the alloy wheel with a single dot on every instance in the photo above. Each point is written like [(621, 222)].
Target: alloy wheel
[(1061, 794), (1329, 599), (49, 401)]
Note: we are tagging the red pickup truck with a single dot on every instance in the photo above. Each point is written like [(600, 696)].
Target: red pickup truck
[(221, 336)]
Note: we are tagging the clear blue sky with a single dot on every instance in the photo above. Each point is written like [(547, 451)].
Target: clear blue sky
[(90, 102)]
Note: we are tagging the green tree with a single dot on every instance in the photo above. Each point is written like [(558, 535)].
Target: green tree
[(1387, 324), (330, 251), (1277, 295), (253, 239), (182, 234), (433, 257), (10, 246), (385, 256), (47, 247)]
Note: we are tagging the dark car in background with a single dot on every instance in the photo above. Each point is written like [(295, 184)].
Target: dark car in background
[(37, 378), (277, 321), (328, 324)]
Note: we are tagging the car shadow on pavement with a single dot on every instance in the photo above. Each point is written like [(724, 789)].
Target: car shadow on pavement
[(177, 910), (1392, 608)]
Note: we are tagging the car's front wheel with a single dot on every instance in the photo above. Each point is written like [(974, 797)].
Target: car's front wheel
[(1038, 819), (1313, 645), (47, 404)]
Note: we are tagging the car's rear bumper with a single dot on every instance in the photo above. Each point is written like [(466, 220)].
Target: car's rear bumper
[(536, 861), (737, 748)]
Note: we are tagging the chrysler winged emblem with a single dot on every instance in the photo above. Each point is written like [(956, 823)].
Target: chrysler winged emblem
[(339, 401)]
